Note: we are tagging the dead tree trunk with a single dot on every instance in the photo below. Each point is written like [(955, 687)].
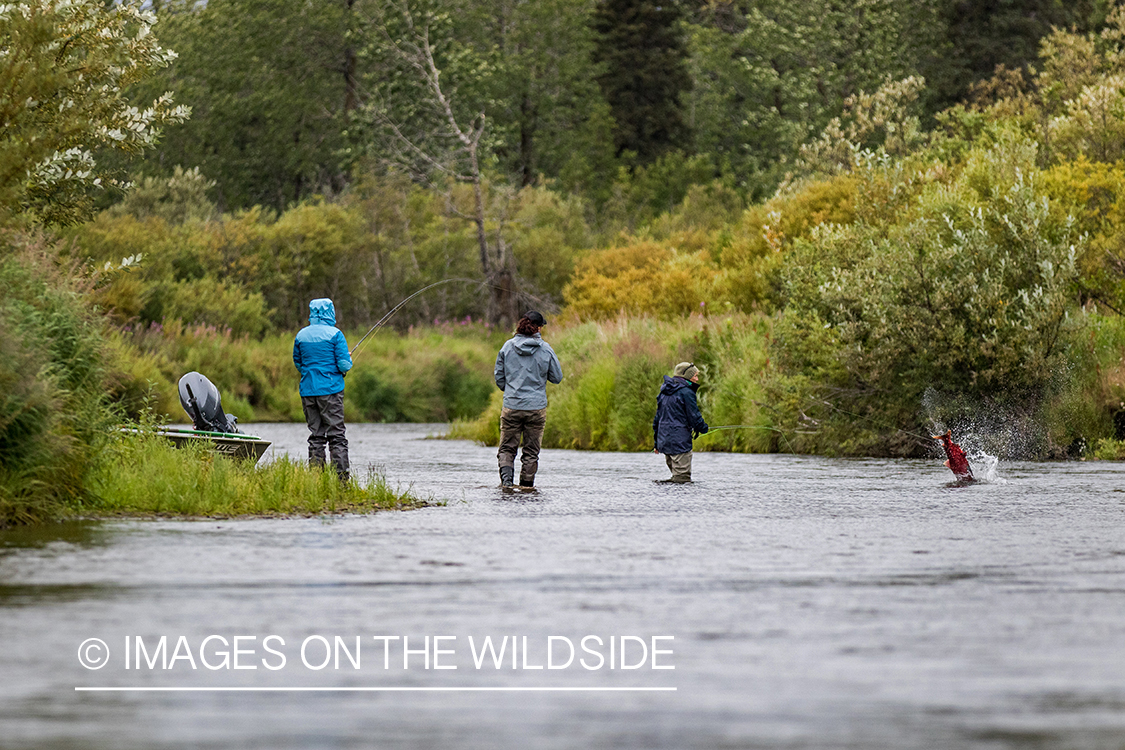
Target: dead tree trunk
[(495, 260)]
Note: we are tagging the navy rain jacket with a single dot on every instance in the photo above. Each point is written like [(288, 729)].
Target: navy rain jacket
[(320, 352), (677, 417)]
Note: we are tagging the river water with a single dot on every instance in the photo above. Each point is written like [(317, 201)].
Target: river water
[(803, 603)]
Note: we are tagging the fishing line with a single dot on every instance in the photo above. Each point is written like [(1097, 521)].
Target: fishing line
[(753, 427), (393, 310), (926, 439)]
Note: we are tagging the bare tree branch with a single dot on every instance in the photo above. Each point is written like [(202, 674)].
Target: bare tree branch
[(415, 50)]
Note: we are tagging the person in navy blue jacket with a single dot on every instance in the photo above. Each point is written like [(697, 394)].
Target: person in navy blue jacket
[(320, 353), (678, 420)]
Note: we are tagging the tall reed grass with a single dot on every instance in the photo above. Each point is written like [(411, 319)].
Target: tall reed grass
[(143, 474), (52, 406), (614, 369)]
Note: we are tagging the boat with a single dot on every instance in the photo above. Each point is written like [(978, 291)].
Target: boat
[(210, 424), (235, 445)]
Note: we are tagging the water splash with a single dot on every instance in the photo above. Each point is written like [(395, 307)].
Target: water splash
[(986, 468), (985, 465), (985, 433), (988, 429)]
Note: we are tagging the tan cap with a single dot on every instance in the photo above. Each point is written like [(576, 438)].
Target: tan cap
[(685, 370)]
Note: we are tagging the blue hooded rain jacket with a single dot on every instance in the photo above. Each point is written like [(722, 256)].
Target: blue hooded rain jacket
[(320, 352), (523, 367), (677, 417)]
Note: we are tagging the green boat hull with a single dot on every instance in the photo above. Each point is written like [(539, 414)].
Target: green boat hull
[(225, 443)]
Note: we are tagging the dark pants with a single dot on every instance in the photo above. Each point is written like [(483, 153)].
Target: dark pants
[(325, 417), (514, 424)]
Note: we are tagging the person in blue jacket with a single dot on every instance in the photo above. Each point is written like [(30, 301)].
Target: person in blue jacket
[(524, 366), (320, 353), (678, 420)]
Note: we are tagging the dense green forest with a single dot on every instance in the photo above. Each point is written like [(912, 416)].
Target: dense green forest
[(288, 97), (862, 219)]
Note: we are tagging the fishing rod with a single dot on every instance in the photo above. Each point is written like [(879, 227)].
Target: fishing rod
[(742, 427), (397, 307)]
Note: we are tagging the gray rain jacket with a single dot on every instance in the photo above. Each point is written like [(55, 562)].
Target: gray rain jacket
[(523, 367)]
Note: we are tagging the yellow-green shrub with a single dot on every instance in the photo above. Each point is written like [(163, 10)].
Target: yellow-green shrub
[(705, 255), (1093, 194), (643, 277)]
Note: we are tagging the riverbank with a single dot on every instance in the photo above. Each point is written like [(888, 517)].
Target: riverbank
[(58, 462), (613, 369)]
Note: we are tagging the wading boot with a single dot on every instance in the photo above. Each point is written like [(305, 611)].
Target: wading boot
[(527, 481), (507, 473)]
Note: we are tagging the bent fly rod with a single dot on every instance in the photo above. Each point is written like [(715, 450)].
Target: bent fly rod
[(397, 307), (743, 427)]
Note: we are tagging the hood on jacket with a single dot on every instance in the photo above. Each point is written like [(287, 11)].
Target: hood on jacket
[(322, 312), (673, 384), (526, 345)]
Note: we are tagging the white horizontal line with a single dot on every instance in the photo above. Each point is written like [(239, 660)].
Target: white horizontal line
[(389, 689)]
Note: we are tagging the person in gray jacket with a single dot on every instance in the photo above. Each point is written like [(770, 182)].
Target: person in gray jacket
[(524, 366)]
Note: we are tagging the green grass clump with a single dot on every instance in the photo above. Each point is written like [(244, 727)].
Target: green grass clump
[(144, 474), (485, 429)]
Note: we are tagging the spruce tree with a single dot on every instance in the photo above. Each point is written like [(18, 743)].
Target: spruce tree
[(641, 49), (986, 33)]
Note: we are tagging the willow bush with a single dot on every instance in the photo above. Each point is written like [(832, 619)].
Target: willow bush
[(53, 413), (966, 292)]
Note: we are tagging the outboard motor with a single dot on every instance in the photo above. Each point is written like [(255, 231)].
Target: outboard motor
[(200, 399)]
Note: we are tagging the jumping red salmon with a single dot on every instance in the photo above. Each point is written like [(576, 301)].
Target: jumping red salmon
[(955, 457)]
